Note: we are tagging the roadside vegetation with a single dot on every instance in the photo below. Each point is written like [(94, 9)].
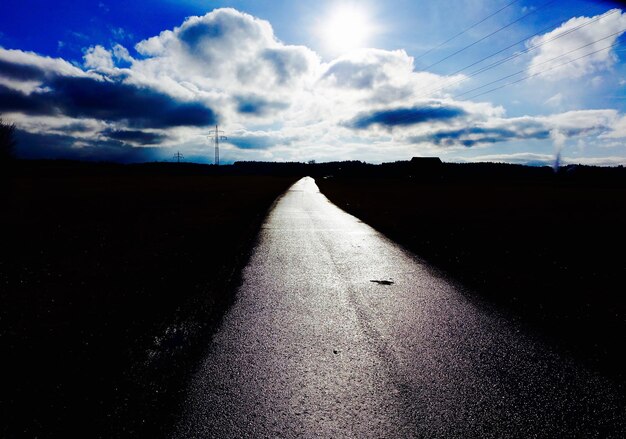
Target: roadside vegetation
[(7, 141)]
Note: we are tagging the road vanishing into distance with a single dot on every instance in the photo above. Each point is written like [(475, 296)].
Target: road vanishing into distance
[(338, 332)]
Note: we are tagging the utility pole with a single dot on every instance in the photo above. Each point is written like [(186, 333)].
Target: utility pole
[(178, 156), (216, 133)]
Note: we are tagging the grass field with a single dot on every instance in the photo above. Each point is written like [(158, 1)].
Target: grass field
[(549, 250), (112, 282)]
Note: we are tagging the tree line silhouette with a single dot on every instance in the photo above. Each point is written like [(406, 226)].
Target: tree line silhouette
[(7, 141)]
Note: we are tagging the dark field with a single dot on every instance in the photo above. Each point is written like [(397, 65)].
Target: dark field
[(547, 248), (112, 279)]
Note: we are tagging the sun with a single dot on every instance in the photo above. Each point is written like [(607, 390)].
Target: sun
[(346, 27)]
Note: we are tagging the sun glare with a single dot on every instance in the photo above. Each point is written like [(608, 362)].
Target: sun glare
[(346, 27)]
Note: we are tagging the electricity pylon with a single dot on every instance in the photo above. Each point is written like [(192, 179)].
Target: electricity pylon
[(178, 156), (216, 133)]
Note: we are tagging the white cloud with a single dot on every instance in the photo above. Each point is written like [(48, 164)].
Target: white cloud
[(527, 158), (98, 58), (234, 61), (47, 65), (522, 158), (281, 102), (582, 122), (120, 34), (121, 53), (228, 46), (60, 125), (387, 76), (597, 161), (556, 100), (618, 129), (225, 57), (554, 56), (596, 81), (30, 70)]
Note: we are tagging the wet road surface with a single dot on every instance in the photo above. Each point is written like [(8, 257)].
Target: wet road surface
[(339, 332)]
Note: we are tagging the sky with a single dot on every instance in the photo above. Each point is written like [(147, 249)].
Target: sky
[(517, 81)]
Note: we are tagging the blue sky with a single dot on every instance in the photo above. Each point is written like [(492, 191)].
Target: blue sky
[(325, 80)]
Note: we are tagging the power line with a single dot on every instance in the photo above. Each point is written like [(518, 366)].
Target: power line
[(543, 43), (466, 30), (517, 54), (513, 56), (539, 73), (544, 62), (490, 34)]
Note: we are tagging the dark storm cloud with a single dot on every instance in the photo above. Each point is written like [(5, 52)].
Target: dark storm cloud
[(109, 100), (135, 136), (115, 101), (21, 72), (481, 135), (46, 146), (258, 106), (52, 146), (14, 100), (405, 116)]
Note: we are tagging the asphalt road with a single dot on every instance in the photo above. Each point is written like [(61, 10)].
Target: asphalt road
[(339, 332)]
